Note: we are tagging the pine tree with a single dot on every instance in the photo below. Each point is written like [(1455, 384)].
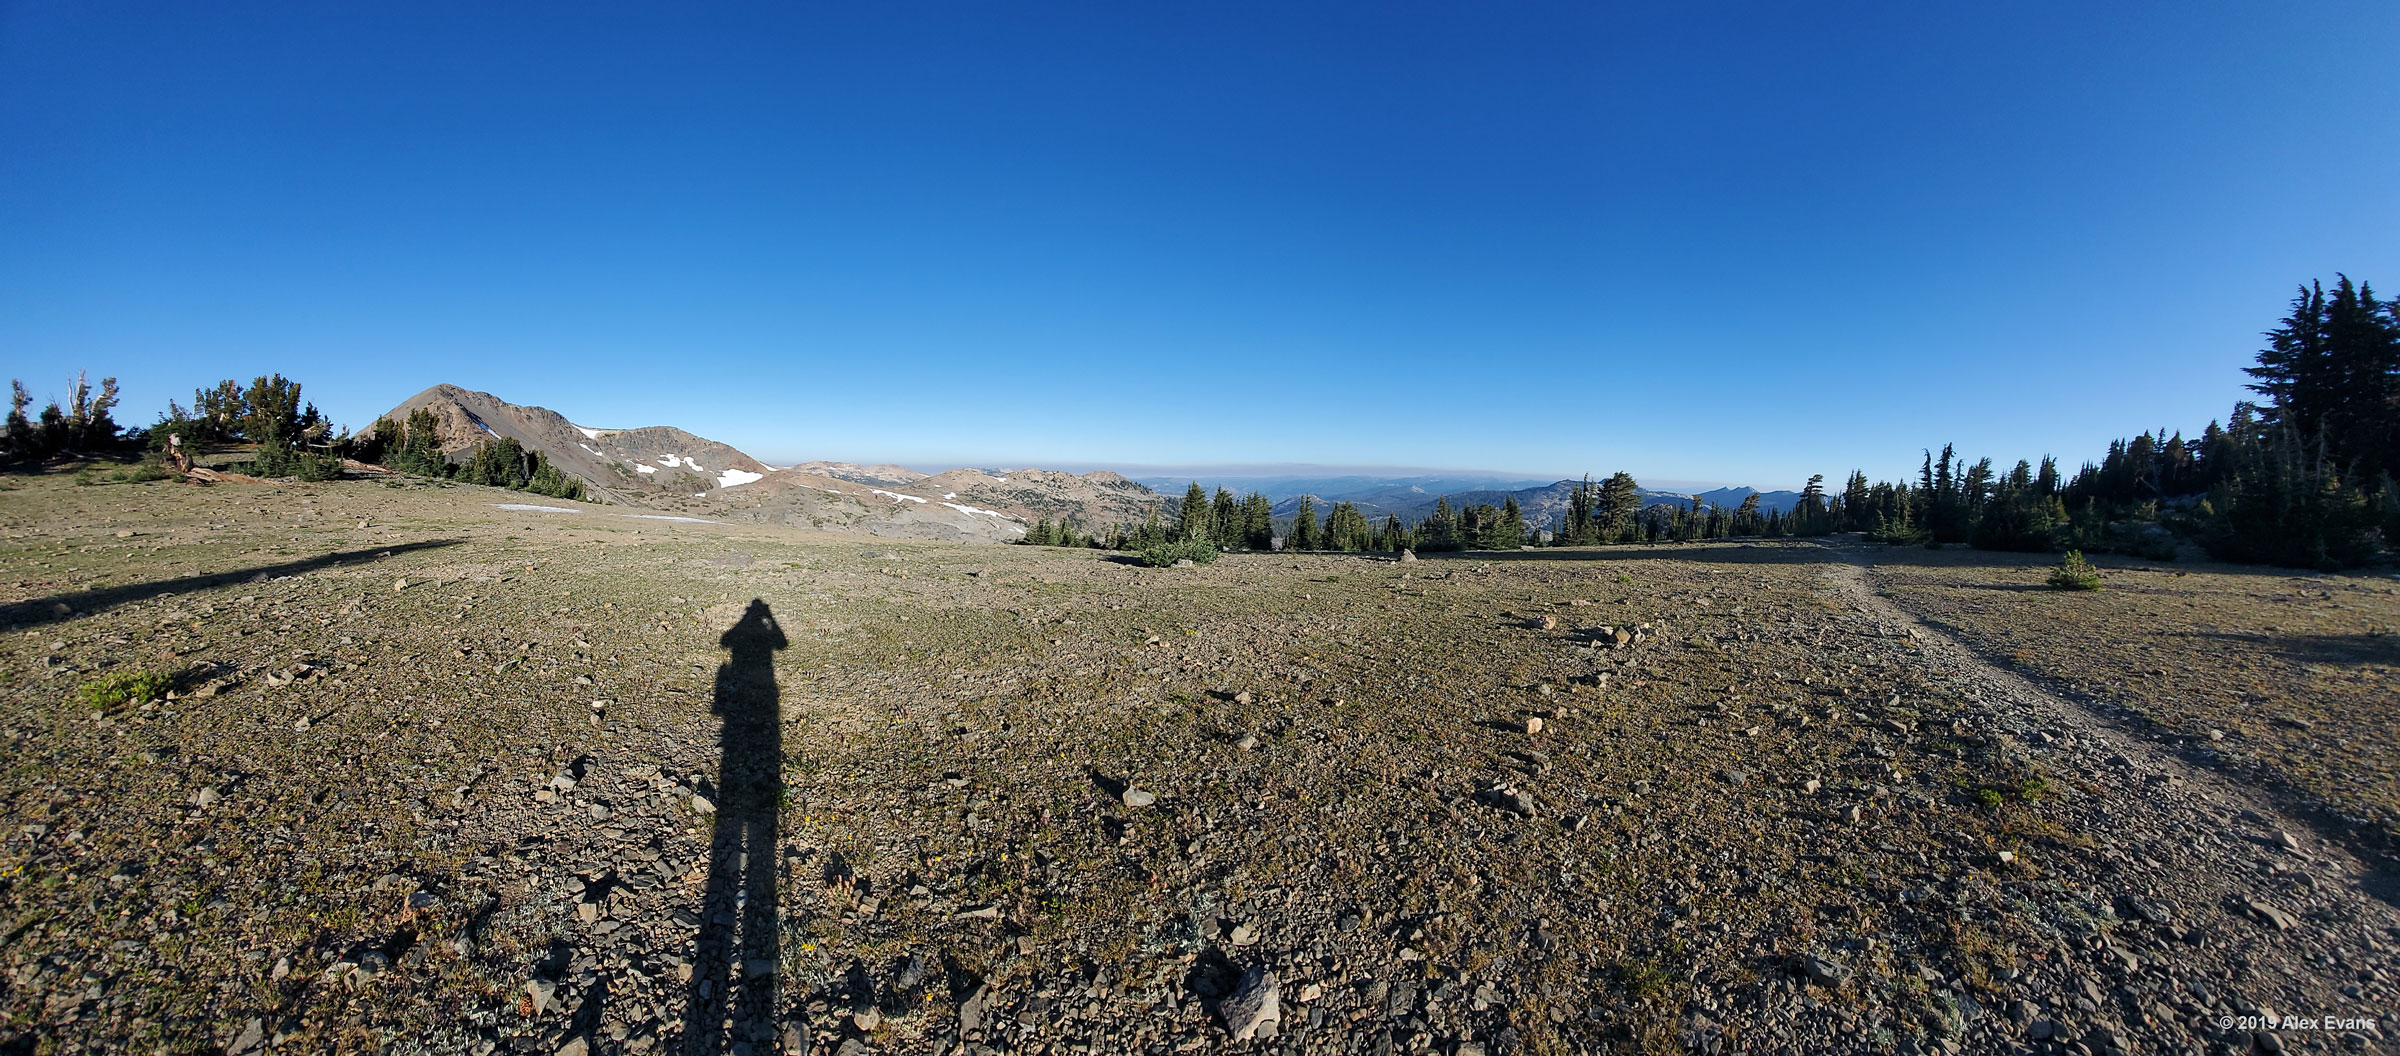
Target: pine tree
[(1620, 501), (1747, 520), (1258, 522), (20, 440), (1440, 532), (1509, 532), (1855, 503), (1583, 526), (1194, 523), (1811, 515), (1226, 527), (1304, 525), (1153, 533), (1347, 529)]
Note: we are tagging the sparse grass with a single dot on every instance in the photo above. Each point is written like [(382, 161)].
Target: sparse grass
[(138, 473), (1166, 554), (1643, 979), (123, 688)]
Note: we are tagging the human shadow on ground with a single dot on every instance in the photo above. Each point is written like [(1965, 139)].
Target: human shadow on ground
[(38, 611), (736, 966)]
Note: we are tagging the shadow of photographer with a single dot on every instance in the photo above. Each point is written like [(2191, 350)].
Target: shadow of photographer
[(736, 967)]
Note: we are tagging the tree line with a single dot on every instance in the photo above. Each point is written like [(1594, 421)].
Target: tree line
[(287, 436), (2305, 477)]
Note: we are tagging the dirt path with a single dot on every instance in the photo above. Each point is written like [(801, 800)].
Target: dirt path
[(2232, 913)]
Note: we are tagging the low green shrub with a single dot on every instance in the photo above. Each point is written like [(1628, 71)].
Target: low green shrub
[(124, 687), (2075, 573)]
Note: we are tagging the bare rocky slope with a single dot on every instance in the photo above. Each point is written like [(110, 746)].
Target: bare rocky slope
[(628, 465), (669, 469), (855, 473)]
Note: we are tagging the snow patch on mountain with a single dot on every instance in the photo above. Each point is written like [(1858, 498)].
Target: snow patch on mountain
[(971, 510)]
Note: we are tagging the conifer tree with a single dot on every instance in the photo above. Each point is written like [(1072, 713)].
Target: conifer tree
[(1226, 526), (1509, 532), (1258, 522), (1440, 532), (1194, 524), (1582, 527), (1304, 525), (1620, 501), (1746, 519)]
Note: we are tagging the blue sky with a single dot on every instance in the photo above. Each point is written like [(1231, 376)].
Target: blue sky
[(1730, 243)]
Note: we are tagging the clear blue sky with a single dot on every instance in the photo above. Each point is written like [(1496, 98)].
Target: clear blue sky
[(1730, 242)]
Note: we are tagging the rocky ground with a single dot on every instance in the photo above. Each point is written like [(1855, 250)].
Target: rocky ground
[(440, 776)]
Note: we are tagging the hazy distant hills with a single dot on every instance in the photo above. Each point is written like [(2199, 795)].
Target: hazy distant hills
[(667, 468)]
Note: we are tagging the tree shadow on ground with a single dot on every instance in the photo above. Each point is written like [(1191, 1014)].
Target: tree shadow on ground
[(40, 611), (2351, 649), (737, 964), (1840, 549)]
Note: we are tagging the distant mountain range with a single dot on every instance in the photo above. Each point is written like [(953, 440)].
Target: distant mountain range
[(667, 468)]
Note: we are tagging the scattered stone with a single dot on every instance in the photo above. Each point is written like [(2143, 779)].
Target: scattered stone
[(1823, 972), (1408, 557), (544, 995), (205, 798), (2147, 912), (1533, 725), (2281, 920), (1254, 1010), (1507, 798), (971, 1010), (1136, 797), (702, 804)]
